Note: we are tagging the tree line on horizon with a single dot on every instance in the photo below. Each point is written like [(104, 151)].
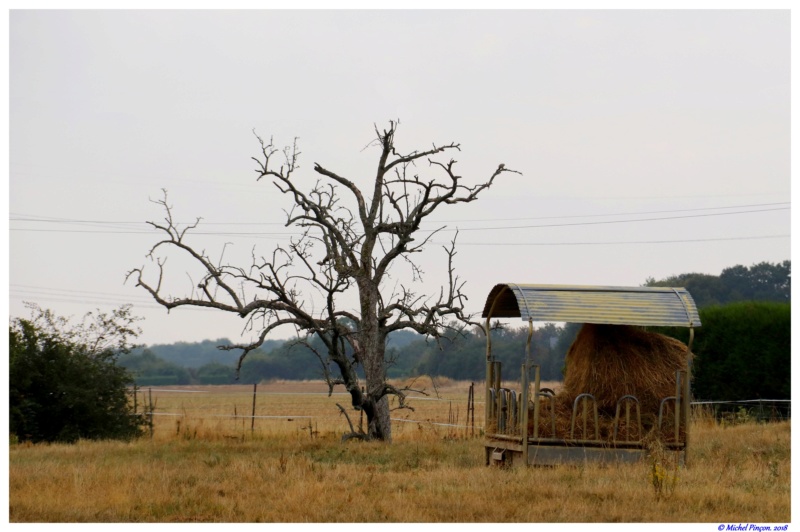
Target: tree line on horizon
[(70, 382), (457, 356)]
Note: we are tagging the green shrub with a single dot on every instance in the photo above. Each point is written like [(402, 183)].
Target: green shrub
[(64, 383), (742, 351)]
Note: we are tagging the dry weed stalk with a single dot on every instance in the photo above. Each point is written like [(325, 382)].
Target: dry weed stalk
[(664, 466)]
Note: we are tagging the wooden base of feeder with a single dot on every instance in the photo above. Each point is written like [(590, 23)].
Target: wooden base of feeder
[(503, 450)]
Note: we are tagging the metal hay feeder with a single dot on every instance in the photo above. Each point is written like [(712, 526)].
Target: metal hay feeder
[(507, 439)]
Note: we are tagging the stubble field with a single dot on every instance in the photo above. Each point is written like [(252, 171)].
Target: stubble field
[(205, 462)]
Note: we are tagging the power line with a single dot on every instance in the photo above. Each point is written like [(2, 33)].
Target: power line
[(621, 221), (22, 291), (280, 236), (29, 230), (59, 298), (48, 219), (62, 295), (67, 291), (65, 295), (613, 243), (569, 224), (614, 214), (81, 301)]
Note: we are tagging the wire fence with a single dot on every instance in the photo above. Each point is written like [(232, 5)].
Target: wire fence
[(744, 410), (239, 403), (453, 413)]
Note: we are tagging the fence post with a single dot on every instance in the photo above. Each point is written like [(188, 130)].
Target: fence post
[(471, 408), (253, 419), (150, 393)]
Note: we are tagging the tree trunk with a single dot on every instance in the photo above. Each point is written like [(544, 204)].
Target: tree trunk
[(380, 427), (374, 363), (373, 345)]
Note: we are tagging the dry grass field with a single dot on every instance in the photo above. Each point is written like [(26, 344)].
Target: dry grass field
[(204, 465)]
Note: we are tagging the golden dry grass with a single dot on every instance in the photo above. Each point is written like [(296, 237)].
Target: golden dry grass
[(215, 470), (223, 412)]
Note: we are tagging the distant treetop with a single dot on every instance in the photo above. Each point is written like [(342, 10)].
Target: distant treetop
[(761, 282)]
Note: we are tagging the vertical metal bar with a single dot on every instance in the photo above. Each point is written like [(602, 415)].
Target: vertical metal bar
[(523, 401), (487, 410), (497, 373), (688, 396), (639, 433), (513, 410), (489, 368), (502, 411), (627, 421), (537, 386), (678, 406), (585, 418)]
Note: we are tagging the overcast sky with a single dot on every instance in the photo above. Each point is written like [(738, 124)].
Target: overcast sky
[(651, 143)]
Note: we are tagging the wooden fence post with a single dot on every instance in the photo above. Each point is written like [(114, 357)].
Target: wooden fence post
[(253, 419), (471, 408), (150, 393)]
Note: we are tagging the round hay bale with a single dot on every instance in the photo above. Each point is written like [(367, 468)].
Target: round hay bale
[(611, 361)]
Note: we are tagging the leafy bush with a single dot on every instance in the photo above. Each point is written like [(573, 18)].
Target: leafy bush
[(64, 383), (742, 351)]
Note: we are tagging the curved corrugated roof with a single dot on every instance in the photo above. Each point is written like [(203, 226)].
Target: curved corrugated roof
[(615, 305)]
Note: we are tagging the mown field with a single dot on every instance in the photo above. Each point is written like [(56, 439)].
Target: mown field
[(204, 465)]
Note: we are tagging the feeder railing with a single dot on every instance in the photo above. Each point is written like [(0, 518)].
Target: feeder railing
[(550, 394), (628, 399), (586, 398), (661, 408)]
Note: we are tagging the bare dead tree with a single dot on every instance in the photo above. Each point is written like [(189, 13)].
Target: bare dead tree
[(341, 247)]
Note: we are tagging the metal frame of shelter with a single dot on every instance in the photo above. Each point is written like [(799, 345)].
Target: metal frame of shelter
[(507, 439)]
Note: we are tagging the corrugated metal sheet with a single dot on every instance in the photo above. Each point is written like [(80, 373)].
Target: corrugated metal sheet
[(615, 305)]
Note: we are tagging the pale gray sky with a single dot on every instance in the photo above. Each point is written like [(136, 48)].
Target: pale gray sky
[(678, 120)]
